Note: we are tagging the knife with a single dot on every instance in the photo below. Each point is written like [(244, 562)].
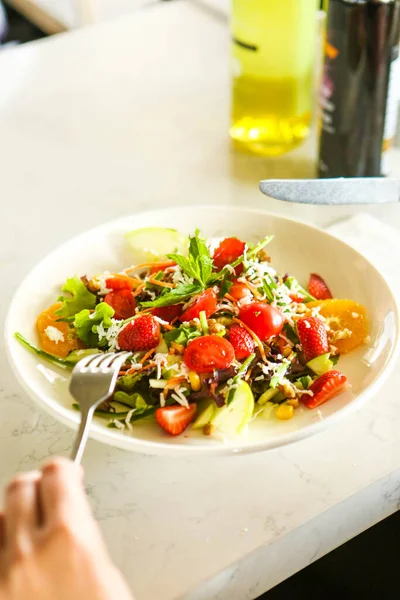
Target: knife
[(351, 190)]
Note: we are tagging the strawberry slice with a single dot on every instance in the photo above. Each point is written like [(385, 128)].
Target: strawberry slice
[(318, 288), (324, 388), (119, 282), (174, 419), (123, 303), (242, 342), (139, 335), (313, 337)]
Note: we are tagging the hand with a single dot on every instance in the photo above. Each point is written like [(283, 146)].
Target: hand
[(50, 546)]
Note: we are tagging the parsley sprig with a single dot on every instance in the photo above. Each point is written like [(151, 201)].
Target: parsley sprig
[(198, 266)]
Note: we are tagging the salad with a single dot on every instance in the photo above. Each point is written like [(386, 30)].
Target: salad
[(216, 336)]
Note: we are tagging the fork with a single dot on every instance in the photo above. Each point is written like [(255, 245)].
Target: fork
[(93, 381)]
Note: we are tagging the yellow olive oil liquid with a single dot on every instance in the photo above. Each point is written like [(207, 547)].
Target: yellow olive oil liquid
[(274, 44)]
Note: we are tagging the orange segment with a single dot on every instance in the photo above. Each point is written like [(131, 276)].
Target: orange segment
[(347, 321), (56, 337)]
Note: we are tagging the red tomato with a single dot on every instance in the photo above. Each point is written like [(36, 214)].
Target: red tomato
[(162, 266), (206, 301), (265, 320), (240, 290), (208, 353), (119, 282), (123, 303), (229, 250), (168, 313)]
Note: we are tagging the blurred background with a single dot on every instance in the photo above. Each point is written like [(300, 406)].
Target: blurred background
[(298, 67)]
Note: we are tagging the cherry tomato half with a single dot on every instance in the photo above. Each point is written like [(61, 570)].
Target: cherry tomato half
[(206, 301), (123, 303), (168, 313), (229, 250), (207, 353), (265, 320), (239, 291), (119, 282)]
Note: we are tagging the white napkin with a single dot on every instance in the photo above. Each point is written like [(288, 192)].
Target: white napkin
[(377, 241)]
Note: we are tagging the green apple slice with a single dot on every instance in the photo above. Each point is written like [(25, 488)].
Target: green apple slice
[(267, 396), (320, 364), (205, 416), (231, 419), (154, 243)]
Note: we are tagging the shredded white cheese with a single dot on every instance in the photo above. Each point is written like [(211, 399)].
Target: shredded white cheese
[(54, 334)]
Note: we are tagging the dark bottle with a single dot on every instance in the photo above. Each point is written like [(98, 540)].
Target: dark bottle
[(359, 93)]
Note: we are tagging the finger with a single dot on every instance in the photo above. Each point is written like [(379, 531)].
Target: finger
[(62, 497), (21, 515), (2, 531)]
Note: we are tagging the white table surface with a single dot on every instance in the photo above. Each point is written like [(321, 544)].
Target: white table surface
[(112, 119)]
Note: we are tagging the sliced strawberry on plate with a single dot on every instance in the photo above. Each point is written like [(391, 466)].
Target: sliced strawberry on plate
[(324, 388), (318, 288), (123, 303), (119, 282), (168, 313), (139, 335), (242, 342), (174, 419), (313, 336)]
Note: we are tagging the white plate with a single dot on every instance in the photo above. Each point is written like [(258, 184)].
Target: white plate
[(297, 248)]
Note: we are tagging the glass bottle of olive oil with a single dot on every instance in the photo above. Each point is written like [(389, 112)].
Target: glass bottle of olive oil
[(274, 44)]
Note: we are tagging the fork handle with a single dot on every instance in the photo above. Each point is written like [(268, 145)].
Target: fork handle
[(82, 435)]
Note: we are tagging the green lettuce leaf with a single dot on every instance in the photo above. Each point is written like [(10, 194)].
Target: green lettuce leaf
[(182, 335), (134, 400), (87, 324), (127, 383), (80, 298), (70, 361)]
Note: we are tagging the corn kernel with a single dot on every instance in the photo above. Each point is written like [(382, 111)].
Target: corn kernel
[(195, 381), (286, 351), (294, 402), (284, 412)]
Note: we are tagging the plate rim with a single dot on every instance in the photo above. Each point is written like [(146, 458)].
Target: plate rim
[(126, 442)]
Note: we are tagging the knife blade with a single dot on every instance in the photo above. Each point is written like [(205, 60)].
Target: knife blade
[(351, 190)]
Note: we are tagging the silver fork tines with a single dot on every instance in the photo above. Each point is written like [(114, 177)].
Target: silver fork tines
[(93, 381)]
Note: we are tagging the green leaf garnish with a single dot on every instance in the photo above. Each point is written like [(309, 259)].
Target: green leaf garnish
[(87, 324), (181, 293), (80, 298), (293, 285), (182, 335), (199, 264), (134, 400)]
